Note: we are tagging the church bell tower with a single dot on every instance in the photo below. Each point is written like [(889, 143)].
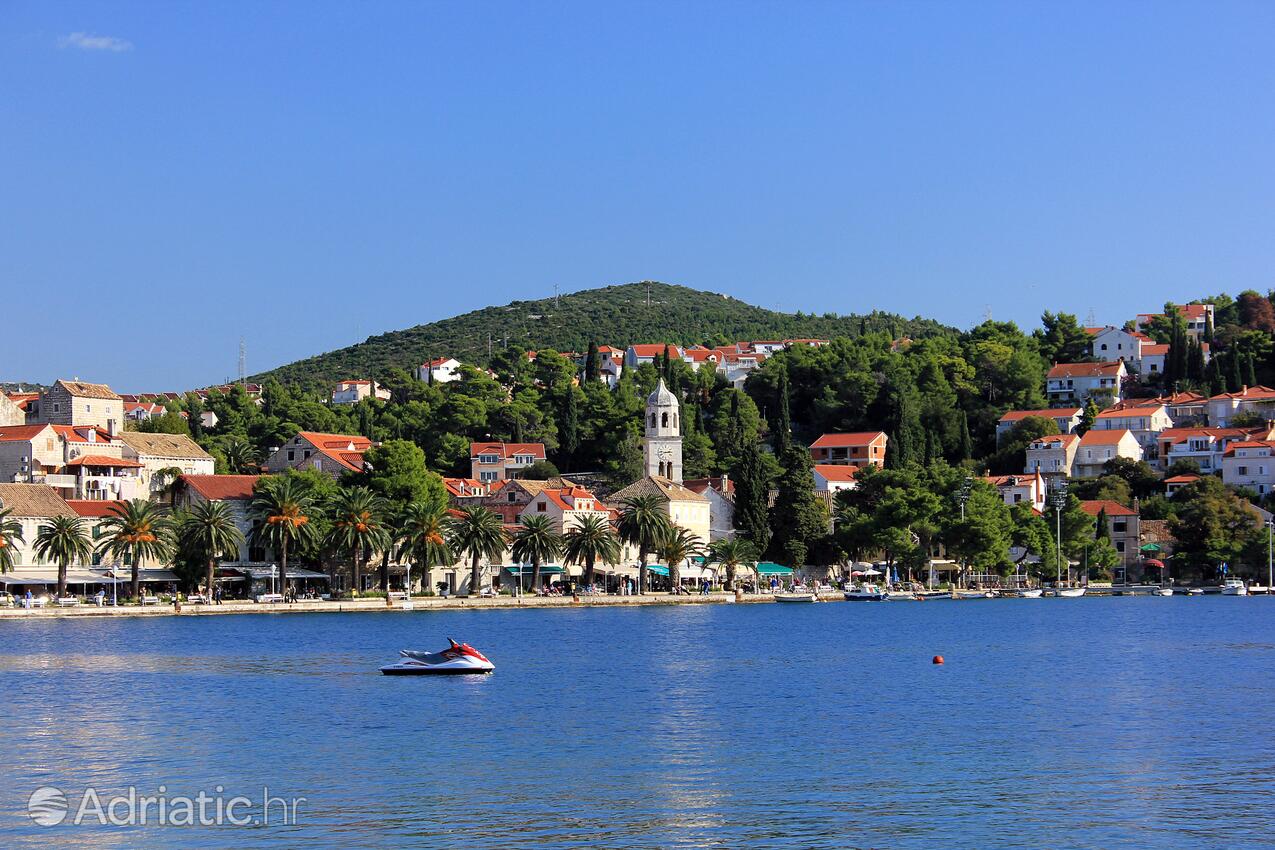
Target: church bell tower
[(662, 445)]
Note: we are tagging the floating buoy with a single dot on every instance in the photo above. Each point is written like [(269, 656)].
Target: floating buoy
[(938, 659)]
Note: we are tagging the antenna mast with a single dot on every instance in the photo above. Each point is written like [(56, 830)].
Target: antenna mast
[(243, 362)]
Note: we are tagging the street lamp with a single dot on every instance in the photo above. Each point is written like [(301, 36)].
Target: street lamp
[(1270, 572), (1057, 500), (963, 496)]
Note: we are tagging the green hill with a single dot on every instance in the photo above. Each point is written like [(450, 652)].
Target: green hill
[(616, 315)]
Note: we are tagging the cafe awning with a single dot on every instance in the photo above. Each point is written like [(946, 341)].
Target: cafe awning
[(658, 569), (769, 568)]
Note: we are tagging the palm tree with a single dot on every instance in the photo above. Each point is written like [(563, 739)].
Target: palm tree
[(731, 553), (281, 507), (209, 529), (536, 541), (590, 540), (477, 532), (137, 529), (358, 526), (676, 547), (642, 523), (422, 537), (64, 540), (241, 457), (10, 532)]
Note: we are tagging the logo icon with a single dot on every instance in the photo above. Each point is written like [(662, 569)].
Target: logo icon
[(47, 806)]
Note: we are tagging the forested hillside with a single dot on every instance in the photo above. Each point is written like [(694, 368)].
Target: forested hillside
[(615, 315)]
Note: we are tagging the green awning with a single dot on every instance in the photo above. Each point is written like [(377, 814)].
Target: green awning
[(1149, 547), (768, 568), (658, 569), (545, 570)]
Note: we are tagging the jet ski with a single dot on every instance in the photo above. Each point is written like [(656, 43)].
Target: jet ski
[(459, 658)]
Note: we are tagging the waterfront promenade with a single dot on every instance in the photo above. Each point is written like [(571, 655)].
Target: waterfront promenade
[(419, 603)]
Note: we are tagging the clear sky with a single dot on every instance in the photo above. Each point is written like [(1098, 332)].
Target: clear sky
[(174, 176)]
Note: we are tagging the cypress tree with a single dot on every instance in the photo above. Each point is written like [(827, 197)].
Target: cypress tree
[(570, 442), (1237, 380), (964, 445), (782, 436), (1216, 385), (752, 497), (799, 518), (1250, 374), (1195, 369), (591, 363)]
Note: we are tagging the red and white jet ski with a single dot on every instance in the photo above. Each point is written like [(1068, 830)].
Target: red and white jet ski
[(459, 658)]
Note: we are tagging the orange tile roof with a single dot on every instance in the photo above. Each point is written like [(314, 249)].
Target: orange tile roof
[(650, 349), (1086, 370), (103, 460), (19, 433), (1065, 439), (1249, 394), (1054, 413), (1112, 508), (1094, 437), (836, 472), (93, 507), (508, 450), (216, 488), (1186, 478), (838, 441)]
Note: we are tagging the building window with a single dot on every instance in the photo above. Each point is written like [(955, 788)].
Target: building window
[(488, 459), (291, 455), (1243, 470), (1119, 545), (541, 507), (1119, 526)]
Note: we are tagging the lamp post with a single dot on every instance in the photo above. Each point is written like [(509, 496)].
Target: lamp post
[(963, 496), (1058, 499), (1270, 569)]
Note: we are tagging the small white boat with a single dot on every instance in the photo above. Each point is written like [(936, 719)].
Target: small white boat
[(1234, 587), (1195, 591), (459, 658), (864, 593), (975, 594), (1030, 593), (1069, 592), (1164, 591), (900, 596), (796, 597)]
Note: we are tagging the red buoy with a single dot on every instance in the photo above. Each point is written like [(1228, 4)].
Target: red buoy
[(938, 659)]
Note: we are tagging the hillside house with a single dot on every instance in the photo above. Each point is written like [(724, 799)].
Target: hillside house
[(1259, 401), (1198, 318), (1066, 418), (861, 448), (352, 392), (1147, 419), (160, 455), (1123, 530), (1098, 447), (1072, 384), (1251, 464), (1111, 343), (440, 370), (79, 403), (1018, 489), (490, 462), (1052, 456), (833, 477), (332, 454)]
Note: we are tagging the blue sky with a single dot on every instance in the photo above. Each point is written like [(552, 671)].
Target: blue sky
[(304, 175)]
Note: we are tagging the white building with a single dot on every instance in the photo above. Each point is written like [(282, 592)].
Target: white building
[(662, 444), (1097, 447), (1250, 463), (352, 392), (1016, 489), (1198, 317), (1075, 383), (833, 477), (1146, 420), (1066, 418), (1052, 456), (163, 457), (1255, 400), (1111, 343), (440, 370)]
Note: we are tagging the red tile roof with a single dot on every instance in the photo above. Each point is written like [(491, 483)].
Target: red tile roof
[(216, 488), (840, 441), (103, 460), (1182, 479), (1086, 370), (650, 349), (1054, 413), (1065, 439), (93, 508), (1094, 437), (836, 472), (1111, 508), (1258, 393), (19, 433), (508, 450)]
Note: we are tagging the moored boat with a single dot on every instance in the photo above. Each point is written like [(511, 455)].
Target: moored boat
[(1069, 592), (864, 593), (1030, 593), (1234, 587), (1164, 591), (796, 597), (900, 596)]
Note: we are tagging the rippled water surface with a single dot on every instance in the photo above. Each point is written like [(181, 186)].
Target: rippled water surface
[(1054, 723)]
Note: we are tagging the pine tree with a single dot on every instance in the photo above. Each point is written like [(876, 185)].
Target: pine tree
[(752, 497), (591, 363), (782, 436)]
